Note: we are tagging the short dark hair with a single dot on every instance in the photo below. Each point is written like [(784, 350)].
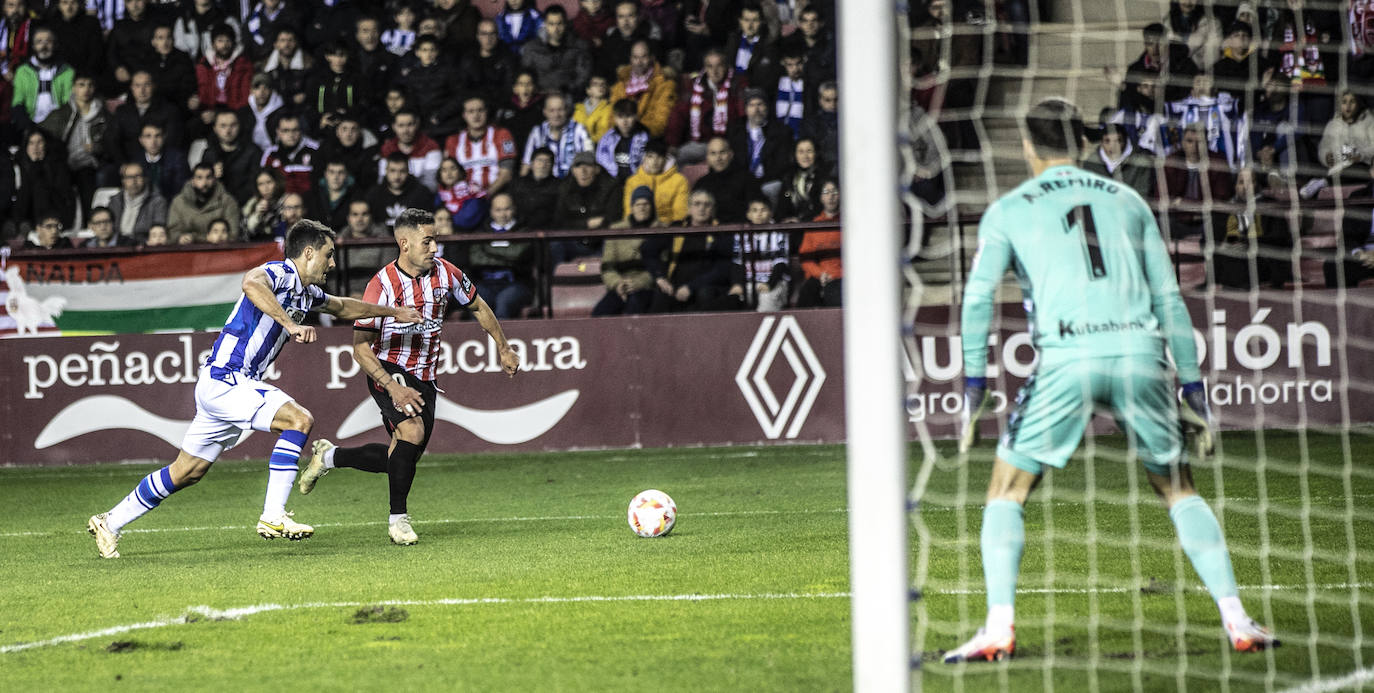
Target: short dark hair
[(406, 110), (398, 157), (555, 9), (1241, 27), (306, 233), (1055, 128), (427, 38), (1154, 31), (98, 210), (203, 165), (414, 218), (224, 29), (625, 108), (336, 47), (542, 151)]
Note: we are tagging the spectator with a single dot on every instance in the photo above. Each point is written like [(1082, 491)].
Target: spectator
[(328, 203), (15, 30), (400, 37), (459, 20), (1219, 116), (728, 181), (433, 91), (592, 23), (629, 286), (537, 191), (361, 225), (589, 198), (691, 272), (137, 206), (157, 236), (798, 198), (1241, 69), (789, 103), (1193, 179), (223, 76), (293, 155), (761, 260), (292, 210), (345, 143), (142, 108), (820, 256), (9, 228), (1147, 130), (517, 25), (43, 84), (80, 126), (1257, 248), (1347, 145), (812, 40), (165, 168), (823, 128), (762, 144), (1116, 158), (47, 234), (333, 90), (422, 152), (1354, 260), (621, 150), (397, 191), (465, 202), (1272, 124), (76, 30), (262, 213), (263, 106), (194, 30), (565, 138), (44, 185), (287, 66), (1191, 22), (652, 88), (617, 44), (666, 15), (504, 270), (709, 103), (485, 151), (658, 174), (594, 112), (265, 22), (103, 233), (176, 74), (375, 65), (491, 68), (219, 233), (125, 44), (1307, 47), (201, 201), (523, 110), (751, 50), (560, 61), (234, 158)]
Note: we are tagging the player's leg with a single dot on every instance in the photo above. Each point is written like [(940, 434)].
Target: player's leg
[(1052, 410), (1147, 405), (407, 444), (293, 423)]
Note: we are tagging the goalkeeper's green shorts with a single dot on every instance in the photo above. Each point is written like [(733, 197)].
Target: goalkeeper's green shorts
[(1055, 404)]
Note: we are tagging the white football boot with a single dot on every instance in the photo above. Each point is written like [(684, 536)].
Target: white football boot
[(316, 468), (106, 539), (983, 647), (1248, 636), (401, 533), (283, 527)]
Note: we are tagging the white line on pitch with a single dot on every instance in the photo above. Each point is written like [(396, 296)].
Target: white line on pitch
[(196, 613), (726, 513), (1327, 587), (1354, 678)]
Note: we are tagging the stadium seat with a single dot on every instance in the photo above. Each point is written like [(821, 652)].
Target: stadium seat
[(196, 151), (694, 172), (577, 288), (101, 197)]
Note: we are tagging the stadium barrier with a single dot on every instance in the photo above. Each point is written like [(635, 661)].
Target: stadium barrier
[(646, 381)]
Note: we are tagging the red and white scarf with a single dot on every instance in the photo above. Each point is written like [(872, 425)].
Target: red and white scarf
[(637, 84), (720, 116)]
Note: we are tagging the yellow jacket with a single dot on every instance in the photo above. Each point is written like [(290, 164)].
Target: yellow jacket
[(656, 104), (670, 192), (597, 122)]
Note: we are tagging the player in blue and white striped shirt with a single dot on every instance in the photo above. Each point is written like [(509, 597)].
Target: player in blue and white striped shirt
[(231, 397)]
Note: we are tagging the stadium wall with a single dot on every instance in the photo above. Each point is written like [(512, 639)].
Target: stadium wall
[(651, 381)]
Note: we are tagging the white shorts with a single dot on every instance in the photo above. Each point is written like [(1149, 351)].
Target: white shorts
[(227, 406)]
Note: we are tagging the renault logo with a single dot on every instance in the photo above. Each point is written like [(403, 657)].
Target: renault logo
[(780, 336)]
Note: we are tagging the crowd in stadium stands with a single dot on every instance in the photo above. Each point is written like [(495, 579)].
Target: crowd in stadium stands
[(1232, 105), (139, 122)]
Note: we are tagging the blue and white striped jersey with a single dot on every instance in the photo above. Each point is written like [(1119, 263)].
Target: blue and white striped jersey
[(250, 340)]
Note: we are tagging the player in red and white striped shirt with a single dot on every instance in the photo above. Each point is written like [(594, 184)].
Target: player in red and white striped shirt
[(399, 360), (486, 152)]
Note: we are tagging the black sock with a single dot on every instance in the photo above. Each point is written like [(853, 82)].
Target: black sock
[(369, 458), (400, 471)]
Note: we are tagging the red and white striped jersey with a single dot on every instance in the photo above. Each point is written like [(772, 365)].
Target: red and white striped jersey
[(414, 346), (481, 158)]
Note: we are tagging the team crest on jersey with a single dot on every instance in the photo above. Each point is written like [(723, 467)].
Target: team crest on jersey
[(439, 295)]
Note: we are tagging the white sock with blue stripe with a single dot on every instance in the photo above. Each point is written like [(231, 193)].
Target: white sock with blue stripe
[(281, 472), (149, 493)]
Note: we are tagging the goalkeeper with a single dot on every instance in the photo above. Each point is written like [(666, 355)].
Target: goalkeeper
[(1102, 301)]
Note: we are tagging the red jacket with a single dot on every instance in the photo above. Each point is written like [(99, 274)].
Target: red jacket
[(236, 88), (1218, 186)]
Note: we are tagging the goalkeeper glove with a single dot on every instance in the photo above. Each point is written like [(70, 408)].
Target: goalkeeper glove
[(976, 402), (1196, 417)]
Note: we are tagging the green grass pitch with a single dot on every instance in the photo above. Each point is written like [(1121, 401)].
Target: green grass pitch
[(526, 576)]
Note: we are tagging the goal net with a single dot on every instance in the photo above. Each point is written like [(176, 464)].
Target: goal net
[(1229, 118)]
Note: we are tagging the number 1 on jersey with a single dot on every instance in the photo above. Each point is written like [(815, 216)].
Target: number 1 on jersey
[(1082, 215)]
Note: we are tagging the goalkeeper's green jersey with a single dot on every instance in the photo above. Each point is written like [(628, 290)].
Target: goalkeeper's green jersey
[(1094, 272)]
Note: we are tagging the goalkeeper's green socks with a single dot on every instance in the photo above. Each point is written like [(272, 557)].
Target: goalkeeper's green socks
[(1201, 538), (1003, 540)]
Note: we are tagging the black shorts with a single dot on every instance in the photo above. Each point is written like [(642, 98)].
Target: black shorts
[(391, 416)]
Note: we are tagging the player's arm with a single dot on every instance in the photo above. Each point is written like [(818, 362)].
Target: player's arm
[(989, 265), (346, 308), (406, 399), (510, 362), (1177, 327), (257, 286)]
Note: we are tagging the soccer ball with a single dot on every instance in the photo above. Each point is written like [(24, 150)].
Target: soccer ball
[(652, 514)]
